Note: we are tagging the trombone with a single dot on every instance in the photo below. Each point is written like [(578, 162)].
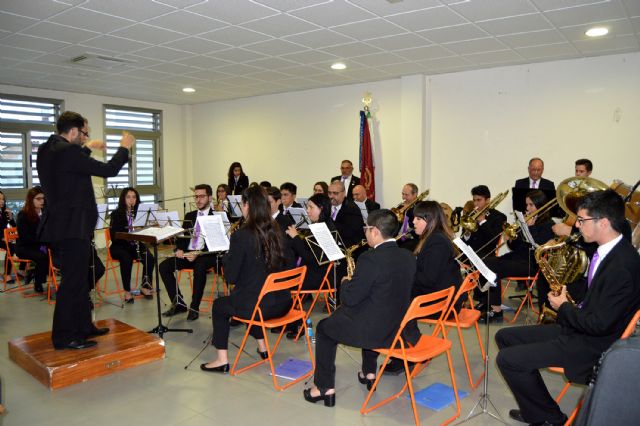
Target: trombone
[(400, 210), (469, 221)]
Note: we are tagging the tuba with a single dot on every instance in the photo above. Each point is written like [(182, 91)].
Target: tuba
[(469, 222), (560, 260), (400, 210)]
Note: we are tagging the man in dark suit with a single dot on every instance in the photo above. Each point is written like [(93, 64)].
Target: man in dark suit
[(360, 195), (582, 332), (283, 220), (533, 181), (346, 215), (374, 302), (347, 178), (484, 240), (65, 169), (187, 258), (288, 192)]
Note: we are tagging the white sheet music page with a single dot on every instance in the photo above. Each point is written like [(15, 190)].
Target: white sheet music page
[(160, 233), (102, 216), (214, 232), (477, 262), (363, 209), (143, 213), (325, 241), (236, 205), (525, 229)]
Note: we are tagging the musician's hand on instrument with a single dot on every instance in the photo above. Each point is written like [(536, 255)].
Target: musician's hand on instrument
[(127, 140), (481, 218), (557, 301), (561, 229), (179, 254), (190, 256), (292, 231), (96, 144), (532, 221)]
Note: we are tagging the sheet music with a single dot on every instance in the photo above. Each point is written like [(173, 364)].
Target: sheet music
[(477, 262), (363, 209), (102, 216), (236, 202), (214, 232), (325, 241), (525, 229), (160, 233), (302, 201), (142, 215), (300, 217)]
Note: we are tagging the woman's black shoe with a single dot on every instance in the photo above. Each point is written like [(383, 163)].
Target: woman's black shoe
[(129, 301), (38, 288), (263, 355), (224, 368), (329, 400), (363, 380)]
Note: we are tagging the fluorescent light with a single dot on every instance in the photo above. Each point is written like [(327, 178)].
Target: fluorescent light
[(338, 66), (597, 32), (189, 90)]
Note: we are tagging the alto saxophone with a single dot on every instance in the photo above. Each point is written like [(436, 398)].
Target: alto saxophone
[(351, 263)]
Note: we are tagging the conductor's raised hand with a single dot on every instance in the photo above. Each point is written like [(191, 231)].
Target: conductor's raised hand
[(127, 140)]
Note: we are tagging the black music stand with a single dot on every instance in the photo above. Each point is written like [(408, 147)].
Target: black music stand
[(160, 329)]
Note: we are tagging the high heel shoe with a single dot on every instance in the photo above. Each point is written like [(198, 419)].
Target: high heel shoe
[(224, 368), (363, 380), (129, 301), (329, 400), (263, 355)]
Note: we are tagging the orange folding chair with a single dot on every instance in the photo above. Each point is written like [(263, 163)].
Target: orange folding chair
[(325, 289), (52, 280), (466, 318), (427, 348), (10, 236), (285, 280), (631, 326), (111, 264), (528, 295)]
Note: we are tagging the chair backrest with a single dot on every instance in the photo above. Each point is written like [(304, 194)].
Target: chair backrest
[(10, 235), (428, 305), (284, 280), (470, 282), (631, 326)]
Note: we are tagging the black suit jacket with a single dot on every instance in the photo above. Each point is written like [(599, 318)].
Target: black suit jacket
[(355, 180), (244, 266), (375, 300), (610, 302), (544, 184), (27, 233), (371, 205), (237, 188), (284, 221), (65, 172), (541, 233), (480, 240), (315, 272), (349, 223), (437, 268)]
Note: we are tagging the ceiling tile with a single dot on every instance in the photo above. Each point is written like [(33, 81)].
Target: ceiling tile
[(238, 69), (275, 47), (180, 4), (406, 68), (208, 75), (454, 33), (60, 32), (46, 68), (436, 17), (445, 63), (351, 49), (73, 50), (148, 34), (235, 36), (146, 74), (363, 74), (586, 14), (90, 20), (202, 61), (287, 5), (480, 10), (280, 25), (374, 28), (532, 38), (196, 45), (427, 52), (309, 57), (378, 59), (302, 70), (627, 42), (53, 59), (9, 22), (115, 44), (333, 13), (138, 10), (163, 53), (333, 79), (39, 9), (272, 63), (495, 57), (319, 38), (546, 5), (400, 41), (240, 81), (171, 68), (384, 7), (33, 43), (632, 7), (233, 12), (548, 51), (475, 46), (515, 24), (237, 55), (269, 76), (186, 22), (20, 77), (616, 28)]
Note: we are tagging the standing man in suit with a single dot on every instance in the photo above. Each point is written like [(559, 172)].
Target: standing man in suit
[(185, 258), (346, 215), (582, 332), (533, 181), (65, 169), (360, 195), (347, 178), (374, 302), (489, 224)]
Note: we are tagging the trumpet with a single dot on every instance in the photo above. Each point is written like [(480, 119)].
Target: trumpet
[(400, 210), (469, 221)]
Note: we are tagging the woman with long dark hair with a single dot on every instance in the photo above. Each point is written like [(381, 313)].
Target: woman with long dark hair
[(256, 250), (127, 251), (6, 221), (321, 187), (28, 246), (238, 181)]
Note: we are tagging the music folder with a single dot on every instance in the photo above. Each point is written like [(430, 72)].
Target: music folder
[(363, 210), (477, 262), (153, 235)]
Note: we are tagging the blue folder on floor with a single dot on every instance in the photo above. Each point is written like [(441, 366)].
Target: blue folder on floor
[(437, 396), (292, 369)]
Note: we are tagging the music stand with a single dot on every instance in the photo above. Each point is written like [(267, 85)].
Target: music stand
[(154, 240)]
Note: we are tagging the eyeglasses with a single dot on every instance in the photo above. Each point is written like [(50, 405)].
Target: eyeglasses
[(582, 220), (84, 133), (366, 227), (198, 196)]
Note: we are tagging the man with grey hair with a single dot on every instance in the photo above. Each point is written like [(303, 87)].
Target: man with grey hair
[(346, 215)]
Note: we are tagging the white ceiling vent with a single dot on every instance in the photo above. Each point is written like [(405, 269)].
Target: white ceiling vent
[(100, 61)]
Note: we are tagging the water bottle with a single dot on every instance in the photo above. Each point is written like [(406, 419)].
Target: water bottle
[(312, 337)]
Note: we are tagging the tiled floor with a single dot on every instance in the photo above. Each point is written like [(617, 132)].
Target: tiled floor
[(165, 393)]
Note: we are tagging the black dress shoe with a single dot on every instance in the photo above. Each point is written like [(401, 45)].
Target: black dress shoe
[(193, 315), (95, 331), (515, 414), (363, 380), (395, 367), (129, 301), (493, 316), (329, 400), (174, 310), (263, 355), (38, 288), (234, 323), (78, 344), (224, 368)]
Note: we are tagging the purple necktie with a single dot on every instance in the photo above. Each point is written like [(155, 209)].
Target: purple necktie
[(592, 267), (534, 184), (405, 226), (196, 235), (334, 213)]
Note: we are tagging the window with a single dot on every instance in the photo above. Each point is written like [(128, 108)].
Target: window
[(143, 171), (25, 124)]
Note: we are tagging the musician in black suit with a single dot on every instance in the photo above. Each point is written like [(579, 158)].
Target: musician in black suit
[(360, 195), (28, 245), (256, 250), (582, 332), (374, 302), (348, 179), (410, 238), (533, 181), (126, 252), (65, 169), (346, 215), (237, 180), (188, 256), (485, 238), (288, 192), (275, 201)]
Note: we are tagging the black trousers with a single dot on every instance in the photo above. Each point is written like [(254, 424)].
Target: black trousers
[(40, 259), (223, 310), (326, 348), (523, 352), (72, 314), (126, 254), (504, 266), (199, 266)]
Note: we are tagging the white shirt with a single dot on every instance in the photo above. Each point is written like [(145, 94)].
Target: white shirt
[(385, 241), (346, 182), (199, 243), (335, 209), (275, 214), (534, 183), (604, 250)]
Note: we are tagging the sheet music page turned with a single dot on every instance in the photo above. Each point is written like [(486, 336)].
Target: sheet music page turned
[(363, 210), (525, 229), (160, 233), (325, 241), (300, 217), (214, 232), (477, 262)]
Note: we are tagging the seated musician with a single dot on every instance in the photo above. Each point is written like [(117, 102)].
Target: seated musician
[(6, 221), (188, 256), (126, 252), (275, 201), (520, 261), (374, 302), (484, 240), (360, 195), (222, 202), (256, 250), (288, 192), (409, 240), (582, 332), (321, 187), (28, 245), (346, 215), (583, 168)]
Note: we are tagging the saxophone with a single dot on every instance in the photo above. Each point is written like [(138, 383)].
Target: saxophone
[(348, 253), (560, 262)]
